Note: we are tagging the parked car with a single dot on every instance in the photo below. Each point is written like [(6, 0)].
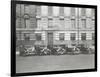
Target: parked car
[(38, 50), (53, 50), (83, 49), (76, 50), (60, 51), (70, 51), (30, 51), (91, 49), (45, 51)]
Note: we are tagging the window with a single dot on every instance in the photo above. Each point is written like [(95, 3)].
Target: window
[(73, 44), (61, 36), (38, 10), (18, 23), (26, 9), (38, 37), (93, 37), (83, 36), (93, 12), (93, 44), (26, 20), (18, 10), (50, 10), (26, 36), (50, 23), (72, 11), (83, 11), (93, 23), (61, 11), (62, 22), (39, 22), (18, 36), (83, 23), (73, 23), (73, 36), (27, 23)]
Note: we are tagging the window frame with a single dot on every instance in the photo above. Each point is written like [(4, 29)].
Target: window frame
[(83, 11), (73, 11), (93, 36), (73, 38), (82, 36), (27, 36), (37, 35), (61, 36), (84, 25), (73, 25)]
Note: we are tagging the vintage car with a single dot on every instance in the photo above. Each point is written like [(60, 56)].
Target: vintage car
[(60, 50), (83, 49), (30, 51), (76, 50), (73, 50), (45, 51), (91, 49)]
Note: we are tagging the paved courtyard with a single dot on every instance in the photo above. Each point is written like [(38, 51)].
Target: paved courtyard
[(52, 63)]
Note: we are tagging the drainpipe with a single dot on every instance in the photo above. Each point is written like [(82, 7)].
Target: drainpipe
[(78, 24), (20, 43), (20, 24)]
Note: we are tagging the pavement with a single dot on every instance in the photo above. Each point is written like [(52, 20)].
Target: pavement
[(54, 63)]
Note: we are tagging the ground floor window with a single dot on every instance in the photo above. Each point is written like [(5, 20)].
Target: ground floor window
[(18, 36), (73, 44), (26, 36), (93, 44), (38, 37), (61, 36), (73, 36), (93, 36), (83, 36)]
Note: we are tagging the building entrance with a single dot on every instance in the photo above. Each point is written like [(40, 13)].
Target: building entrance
[(50, 38)]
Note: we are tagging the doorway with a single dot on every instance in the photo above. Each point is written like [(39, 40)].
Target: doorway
[(50, 38)]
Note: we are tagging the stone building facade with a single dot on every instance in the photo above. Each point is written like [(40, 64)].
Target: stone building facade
[(54, 25)]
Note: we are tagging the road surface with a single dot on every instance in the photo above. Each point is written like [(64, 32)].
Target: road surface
[(53, 63)]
